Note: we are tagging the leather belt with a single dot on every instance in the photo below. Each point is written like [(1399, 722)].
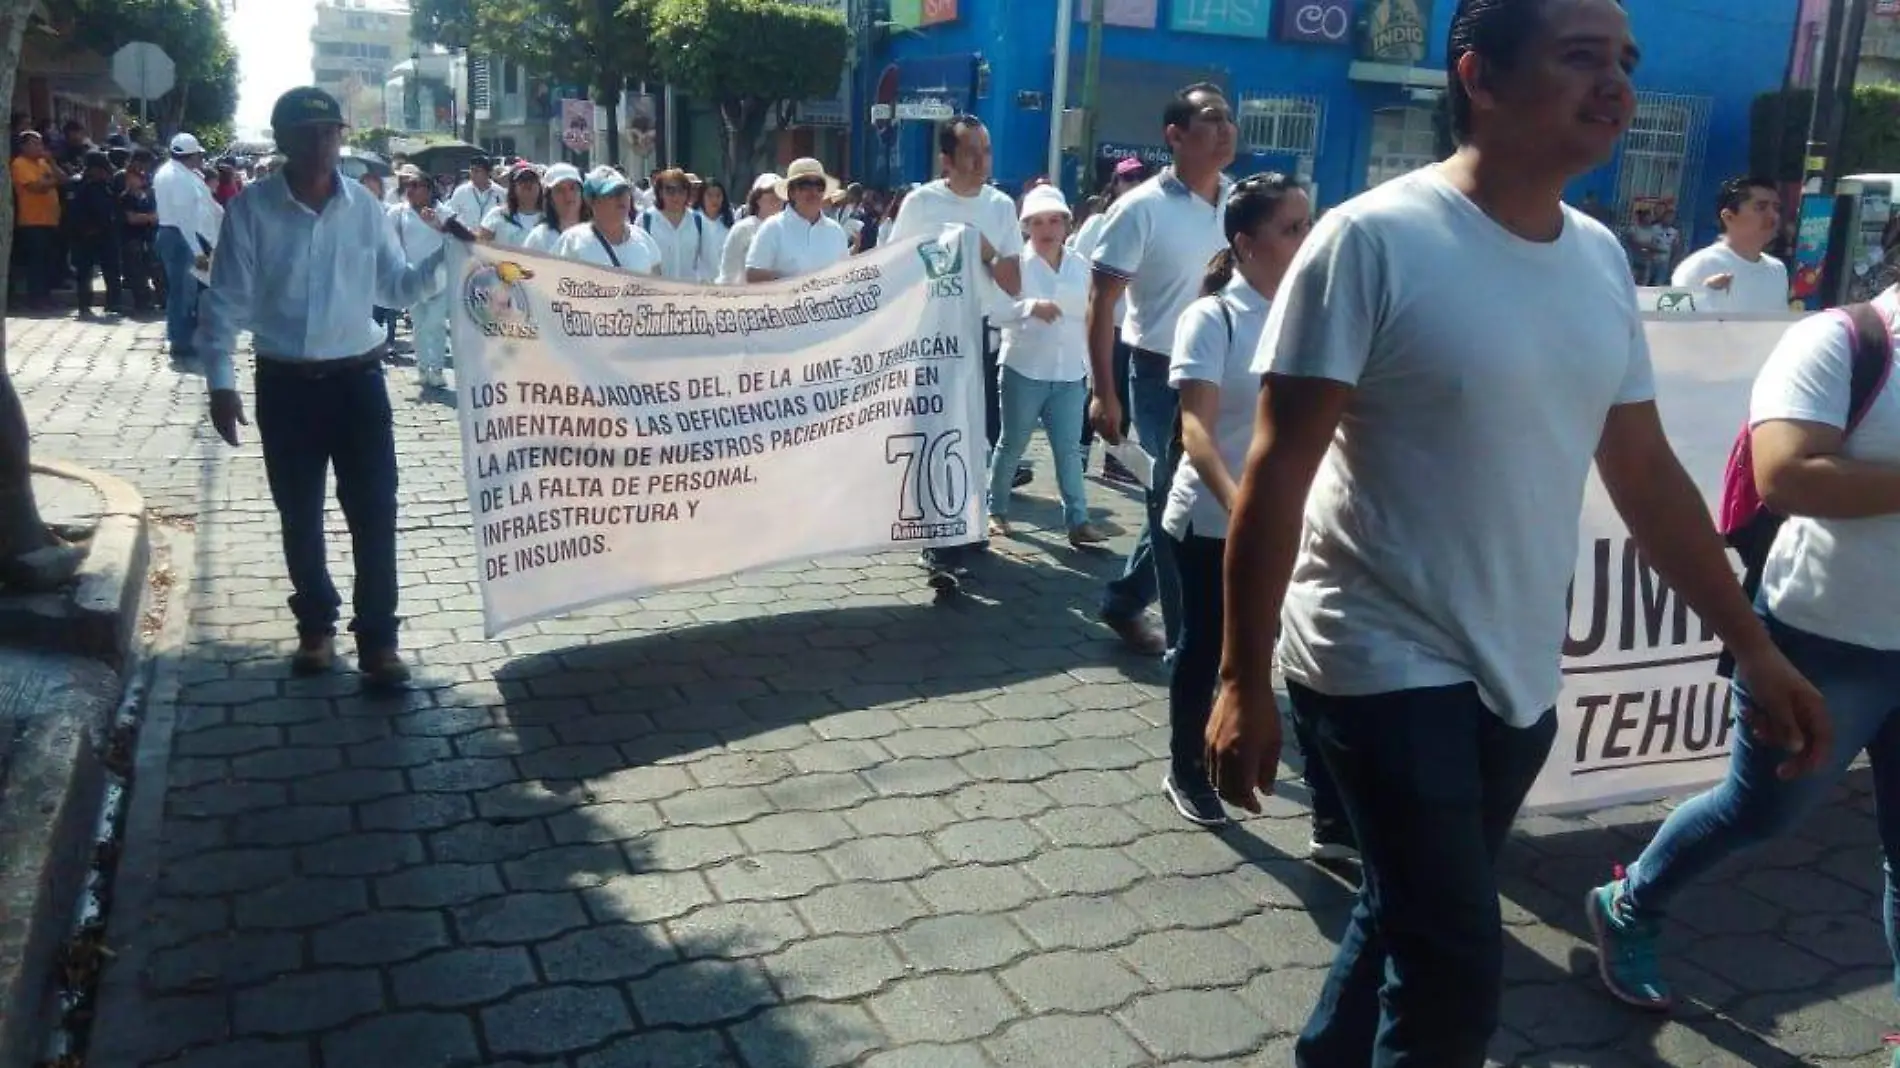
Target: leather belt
[(315, 369)]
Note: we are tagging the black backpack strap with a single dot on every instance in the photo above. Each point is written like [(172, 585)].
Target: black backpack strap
[(1873, 359)]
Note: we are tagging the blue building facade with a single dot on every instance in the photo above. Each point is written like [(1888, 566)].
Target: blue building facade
[(1343, 93)]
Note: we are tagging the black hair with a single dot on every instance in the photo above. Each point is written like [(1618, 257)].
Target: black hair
[(514, 200), (1734, 194), (1497, 31), (724, 214), (950, 134), (1253, 201), (1181, 110), (551, 216)]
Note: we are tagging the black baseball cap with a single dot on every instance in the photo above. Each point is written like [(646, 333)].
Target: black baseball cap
[(481, 161), (306, 105)]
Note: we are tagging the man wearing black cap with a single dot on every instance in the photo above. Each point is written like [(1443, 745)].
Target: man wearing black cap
[(473, 199), (303, 259)]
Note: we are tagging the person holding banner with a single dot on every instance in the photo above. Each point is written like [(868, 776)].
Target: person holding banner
[(760, 204), (1738, 266), (610, 239), (508, 223), (1045, 368), (563, 208), (417, 228), (802, 238), (1830, 596), (1406, 528), (304, 258)]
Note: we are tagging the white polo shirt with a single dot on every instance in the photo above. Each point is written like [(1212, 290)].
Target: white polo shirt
[(585, 244), (690, 251), (789, 245), (1158, 238), (471, 205)]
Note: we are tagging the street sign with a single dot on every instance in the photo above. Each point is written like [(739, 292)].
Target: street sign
[(143, 70)]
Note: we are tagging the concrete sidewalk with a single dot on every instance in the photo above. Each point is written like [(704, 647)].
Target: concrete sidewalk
[(794, 818)]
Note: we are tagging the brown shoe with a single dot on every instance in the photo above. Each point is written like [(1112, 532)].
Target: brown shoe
[(1086, 535), (382, 669), (999, 527), (315, 655), (1139, 635)]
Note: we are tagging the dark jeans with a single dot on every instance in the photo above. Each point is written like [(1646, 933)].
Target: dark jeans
[(39, 259), (178, 255), (138, 266), (1195, 675), (1148, 575), (308, 426), (950, 557), (99, 254), (1431, 780), (387, 318), (1122, 357)]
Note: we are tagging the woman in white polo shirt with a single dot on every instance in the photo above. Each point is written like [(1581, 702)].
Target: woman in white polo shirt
[(611, 239), (507, 224), (563, 208), (802, 238), (1045, 367)]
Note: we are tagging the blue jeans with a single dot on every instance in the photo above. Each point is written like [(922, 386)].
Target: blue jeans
[(1753, 805), (307, 426), (1057, 406), (1149, 572), (181, 289), (1430, 780)]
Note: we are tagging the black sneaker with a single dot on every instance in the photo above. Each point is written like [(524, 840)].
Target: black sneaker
[(1196, 801), (1025, 474)]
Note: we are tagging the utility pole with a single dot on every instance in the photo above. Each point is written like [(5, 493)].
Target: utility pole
[(1843, 89), (1826, 96), (1091, 91), (1059, 89)]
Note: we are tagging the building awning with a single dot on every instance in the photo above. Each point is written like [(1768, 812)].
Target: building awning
[(1396, 74)]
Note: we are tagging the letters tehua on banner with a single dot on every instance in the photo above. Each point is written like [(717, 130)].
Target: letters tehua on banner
[(1642, 713), (622, 433)]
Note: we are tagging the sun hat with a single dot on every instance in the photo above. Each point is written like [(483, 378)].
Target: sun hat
[(801, 169), (184, 145), (1043, 200), (604, 181), (561, 172)]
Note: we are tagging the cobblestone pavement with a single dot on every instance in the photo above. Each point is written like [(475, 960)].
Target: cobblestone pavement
[(796, 818)]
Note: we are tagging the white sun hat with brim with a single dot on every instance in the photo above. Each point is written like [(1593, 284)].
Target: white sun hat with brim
[(802, 169), (1044, 200)]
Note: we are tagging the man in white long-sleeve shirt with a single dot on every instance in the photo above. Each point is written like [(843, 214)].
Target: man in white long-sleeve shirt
[(303, 259), (473, 199), (184, 201)]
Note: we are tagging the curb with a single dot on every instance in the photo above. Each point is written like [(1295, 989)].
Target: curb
[(55, 708), (98, 616)]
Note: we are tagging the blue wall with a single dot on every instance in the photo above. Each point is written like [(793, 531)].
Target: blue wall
[(1699, 49)]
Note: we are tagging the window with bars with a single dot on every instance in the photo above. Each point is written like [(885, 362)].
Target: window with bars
[(1280, 125), (1403, 140)]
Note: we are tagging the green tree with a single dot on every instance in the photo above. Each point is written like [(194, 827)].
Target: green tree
[(752, 59), (191, 32), (1870, 135)]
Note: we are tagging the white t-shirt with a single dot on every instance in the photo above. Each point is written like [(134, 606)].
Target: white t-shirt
[(989, 211), (1048, 352), (584, 243), (1441, 530), (1838, 578), (786, 243), (1159, 237), (1760, 285), (1210, 346), (738, 243), (688, 252), (543, 238), (471, 205), (510, 230)]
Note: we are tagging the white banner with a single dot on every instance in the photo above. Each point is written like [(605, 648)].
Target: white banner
[(621, 433), (1643, 714)]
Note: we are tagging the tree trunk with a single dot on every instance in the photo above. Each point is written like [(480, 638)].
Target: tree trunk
[(468, 95), (21, 530), (613, 130), (744, 121)]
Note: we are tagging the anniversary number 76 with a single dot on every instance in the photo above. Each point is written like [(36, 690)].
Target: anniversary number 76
[(935, 474)]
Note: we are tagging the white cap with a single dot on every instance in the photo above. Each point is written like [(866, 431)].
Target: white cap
[(186, 145), (1044, 199), (561, 172), (764, 182)]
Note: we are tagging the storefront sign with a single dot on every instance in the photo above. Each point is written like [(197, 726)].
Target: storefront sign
[(936, 11), (1325, 22), (1395, 31), (1153, 155), (911, 14), (1139, 14), (1228, 18), (925, 109)]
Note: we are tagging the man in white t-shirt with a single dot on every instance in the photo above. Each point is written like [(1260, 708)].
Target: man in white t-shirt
[(1738, 268), (964, 196), (1407, 525), (473, 199), (1154, 248)]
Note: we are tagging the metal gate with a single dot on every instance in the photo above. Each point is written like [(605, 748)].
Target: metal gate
[(1661, 156), (1281, 124)]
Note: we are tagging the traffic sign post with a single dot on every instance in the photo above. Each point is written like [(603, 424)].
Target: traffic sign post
[(143, 70)]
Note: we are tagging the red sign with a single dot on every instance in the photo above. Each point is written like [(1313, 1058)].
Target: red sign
[(936, 11)]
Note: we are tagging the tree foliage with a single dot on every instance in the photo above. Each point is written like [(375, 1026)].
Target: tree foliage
[(190, 31), (752, 59), (1870, 136)]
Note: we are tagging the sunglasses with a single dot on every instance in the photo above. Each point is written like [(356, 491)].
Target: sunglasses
[(806, 183), (671, 188)]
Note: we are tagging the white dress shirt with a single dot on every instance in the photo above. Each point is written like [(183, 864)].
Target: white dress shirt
[(1050, 352), (689, 252), (789, 245), (471, 205), (304, 282), (738, 243), (182, 197), (416, 238)]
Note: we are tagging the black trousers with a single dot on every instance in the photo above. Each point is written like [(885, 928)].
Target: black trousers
[(99, 254)]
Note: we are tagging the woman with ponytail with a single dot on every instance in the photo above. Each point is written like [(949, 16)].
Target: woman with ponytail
[(1267, 217)]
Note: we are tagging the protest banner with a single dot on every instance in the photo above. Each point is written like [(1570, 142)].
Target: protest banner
[(622, 433), (1643, 714)]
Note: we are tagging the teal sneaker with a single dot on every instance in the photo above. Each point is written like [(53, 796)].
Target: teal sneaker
[(1626, 950)]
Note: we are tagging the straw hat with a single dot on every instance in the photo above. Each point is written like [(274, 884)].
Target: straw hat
[(804, 168)]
